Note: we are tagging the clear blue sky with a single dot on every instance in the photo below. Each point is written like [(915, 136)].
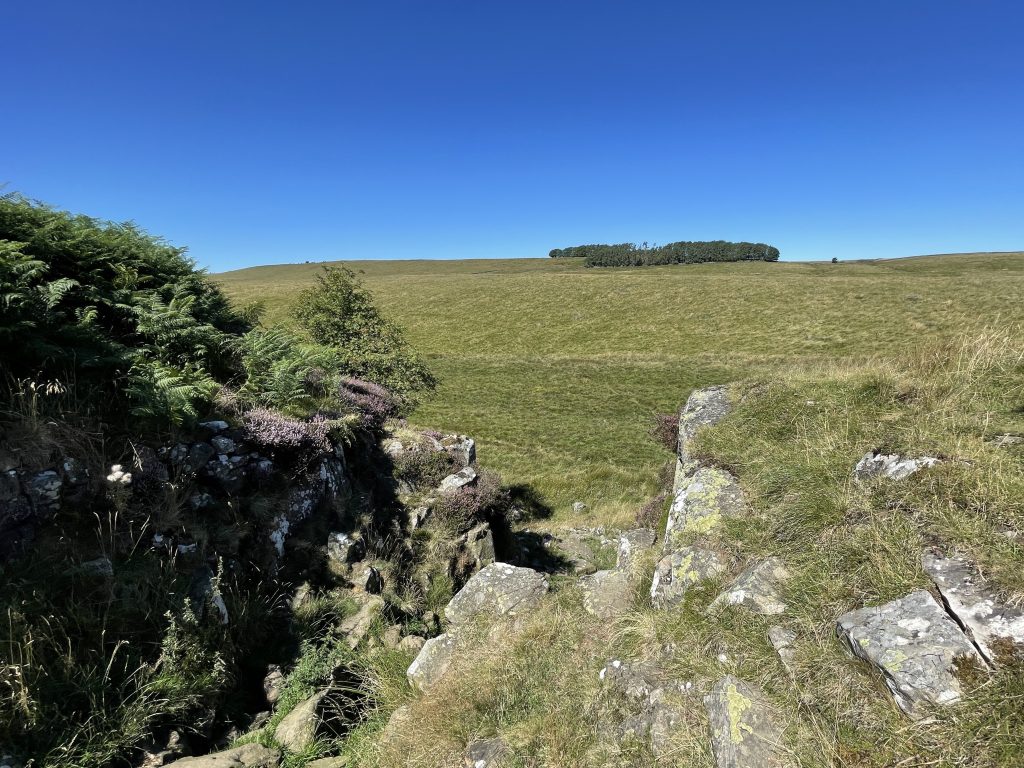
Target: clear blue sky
[(262, 132)]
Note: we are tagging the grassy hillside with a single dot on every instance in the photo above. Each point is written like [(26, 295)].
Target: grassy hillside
[(557, 369)]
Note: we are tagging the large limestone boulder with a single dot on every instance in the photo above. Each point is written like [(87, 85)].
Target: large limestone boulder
[(745, 732), (914, 644), (245, 756), (607, 593), (704, 408), (996, 627), (702, 501), (756, 589), (432, 661), (890, 466), (680, 570), (498, 590)]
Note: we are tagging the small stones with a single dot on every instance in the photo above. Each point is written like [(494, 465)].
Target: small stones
[(497, 590), (631, 544), (996, 628), (460, 479), (607, 593), (782, 641), (432, 662), (485, 753), (273, 684), (890, 466), (914, 644), (578, 508), (680, 570), (745, 732), (756, 589)]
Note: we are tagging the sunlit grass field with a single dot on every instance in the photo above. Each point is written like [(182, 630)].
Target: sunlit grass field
[(557, 369)]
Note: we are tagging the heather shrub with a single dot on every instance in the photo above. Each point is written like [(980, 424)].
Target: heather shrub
[(665, 430), (372, 401), (277, 432), (424, 468), (460, 509)]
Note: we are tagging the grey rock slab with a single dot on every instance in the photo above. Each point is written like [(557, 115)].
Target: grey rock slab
[(782, 641), (702, 501), (298, 728), (745, 731), (498, 590), (245, 756), (1006, 441), (357, 627), (914, 643), (460, 479), (704, 408), (996, 628), (632, 544), (675, 573), (756, 589), (485, 753), (634, 680), (607, 593), (339, 761), (890, 466), (432, 661), (461, 447)]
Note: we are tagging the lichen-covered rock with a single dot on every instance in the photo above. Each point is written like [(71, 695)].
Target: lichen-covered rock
[(43, 491), (607, 593), (411, 644), (475, 550), (704, 408), (915, 645), (702, 501), (635, 681), (460, 479), (338, 761), (680, 570), (996, 627), (485, 753), (756, 589), (745, 732), (432, 661), (632, 544), (245, 756), (890, 466), (299, 727), (499, 589)]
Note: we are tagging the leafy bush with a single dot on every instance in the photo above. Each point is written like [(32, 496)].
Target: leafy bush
[(339, 313), (683, 252), (112, 308)]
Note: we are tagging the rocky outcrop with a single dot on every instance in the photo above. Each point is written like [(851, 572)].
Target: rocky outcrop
[(756, 589), (432, 661), (245, 756), (498, 590), (676, 572), (632, 544), (915, 645), (704, 408), (607, 593), (745, 732), (704, 498), (890, 466), (299, 727), (996, 627)]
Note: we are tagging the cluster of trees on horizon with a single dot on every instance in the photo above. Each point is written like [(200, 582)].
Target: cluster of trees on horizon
[(682, 252)]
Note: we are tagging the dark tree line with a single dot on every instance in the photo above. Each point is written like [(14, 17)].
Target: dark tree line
[(683, 252)]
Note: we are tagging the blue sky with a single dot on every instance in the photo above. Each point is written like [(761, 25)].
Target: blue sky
[(263, 132)]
